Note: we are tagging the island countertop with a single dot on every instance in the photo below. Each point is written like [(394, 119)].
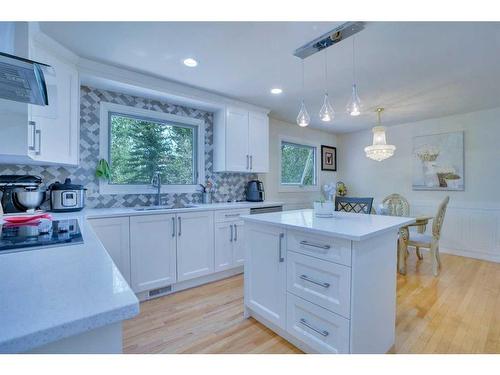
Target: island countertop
[(351, 226)]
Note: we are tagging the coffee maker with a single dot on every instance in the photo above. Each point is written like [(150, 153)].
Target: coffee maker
[(21, 193), (254, 191)]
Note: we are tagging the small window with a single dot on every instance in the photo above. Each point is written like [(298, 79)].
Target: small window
[(141, 146), (298, 164)]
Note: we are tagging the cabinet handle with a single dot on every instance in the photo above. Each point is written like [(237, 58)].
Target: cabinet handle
[(180, 226), (173, 227), (308, 325), (280, 247), (248, 162), (311, 280), (251, 162), (231, 235), (235, 232), (39, 133), (319, 246), (232, 215), (32, 146)]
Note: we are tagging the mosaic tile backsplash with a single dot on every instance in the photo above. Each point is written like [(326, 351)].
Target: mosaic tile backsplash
[(228, 186)]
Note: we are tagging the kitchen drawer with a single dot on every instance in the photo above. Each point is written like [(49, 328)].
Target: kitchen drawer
[(230, 215), (322, 330), (333, 249), (323, 283)]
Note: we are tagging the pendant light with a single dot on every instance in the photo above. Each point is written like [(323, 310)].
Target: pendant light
[(354, 105), (379, 150), (303, 119), (326, 113)]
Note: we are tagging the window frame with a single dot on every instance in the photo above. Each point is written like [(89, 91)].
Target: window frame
[(289, 188), (107, 109)]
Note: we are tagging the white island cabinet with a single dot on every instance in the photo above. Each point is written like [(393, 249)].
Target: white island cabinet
[(327, 285)]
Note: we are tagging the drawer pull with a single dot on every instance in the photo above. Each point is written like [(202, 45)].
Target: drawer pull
[(232, 215), (319, 246), (320, 331), (320, 283)]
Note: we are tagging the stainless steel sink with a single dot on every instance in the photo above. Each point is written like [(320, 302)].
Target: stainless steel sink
[(172, 207)]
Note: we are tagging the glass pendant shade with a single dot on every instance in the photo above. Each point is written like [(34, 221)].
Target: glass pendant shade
[(303, 119), (379, 150), (326, 113), (354, 106)]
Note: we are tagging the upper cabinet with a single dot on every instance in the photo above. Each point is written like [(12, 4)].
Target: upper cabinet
[(32, 134), (241, 141)]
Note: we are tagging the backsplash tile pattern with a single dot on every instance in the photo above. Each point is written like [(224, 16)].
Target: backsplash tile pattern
[(228, 186)]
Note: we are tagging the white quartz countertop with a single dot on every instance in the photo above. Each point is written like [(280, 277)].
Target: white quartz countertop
[(55, 292), (93, 213), (351, 226)]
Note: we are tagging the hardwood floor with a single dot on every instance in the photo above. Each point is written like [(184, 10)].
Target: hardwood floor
[(457, 312)]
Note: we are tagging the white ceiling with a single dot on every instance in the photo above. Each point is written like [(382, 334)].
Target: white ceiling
[(415, 70)]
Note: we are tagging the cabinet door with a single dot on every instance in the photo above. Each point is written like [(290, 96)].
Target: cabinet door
[(258, 142), (224, 235), (195, 244), (114, 236), (238, 244), (237, 140), (152, 251), (265, 271), (56, 137)]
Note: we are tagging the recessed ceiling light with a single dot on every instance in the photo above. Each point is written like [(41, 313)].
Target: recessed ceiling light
[(276, 91), (190, 62)]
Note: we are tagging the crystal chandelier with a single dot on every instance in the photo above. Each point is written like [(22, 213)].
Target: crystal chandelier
[(379, 150)]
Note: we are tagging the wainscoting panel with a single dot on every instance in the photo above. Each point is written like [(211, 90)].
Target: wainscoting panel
[(470, 230)]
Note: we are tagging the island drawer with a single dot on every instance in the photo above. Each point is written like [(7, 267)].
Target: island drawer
[(322, 330), (323, 283), (230, 215), (332, 249)]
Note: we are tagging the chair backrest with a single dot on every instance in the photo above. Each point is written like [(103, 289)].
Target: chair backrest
[(351, 204), (437, 223), (397, 205)]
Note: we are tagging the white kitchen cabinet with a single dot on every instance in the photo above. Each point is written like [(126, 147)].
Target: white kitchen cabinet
[(195, 244), (43, 134), (265, 273), (241, 141), (229, 245), (114, 235), (153, 251)]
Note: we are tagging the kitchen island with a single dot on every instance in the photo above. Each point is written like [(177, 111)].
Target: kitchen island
[(327, 285)]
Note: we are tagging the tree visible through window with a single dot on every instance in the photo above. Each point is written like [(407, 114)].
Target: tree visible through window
[(298, 164), (141, 146)]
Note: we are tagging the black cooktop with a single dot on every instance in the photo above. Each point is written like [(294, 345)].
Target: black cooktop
[(24, 237)]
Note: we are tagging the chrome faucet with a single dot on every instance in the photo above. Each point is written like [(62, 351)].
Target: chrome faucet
[(156, 182)]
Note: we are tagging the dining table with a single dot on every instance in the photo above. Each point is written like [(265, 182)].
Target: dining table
[(404, 236)]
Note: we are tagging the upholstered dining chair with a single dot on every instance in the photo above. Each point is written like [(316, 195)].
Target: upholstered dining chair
[(431, 242), (352, 204), (396, 205)]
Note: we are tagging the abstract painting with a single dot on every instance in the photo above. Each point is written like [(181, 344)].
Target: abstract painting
[(438, 162)]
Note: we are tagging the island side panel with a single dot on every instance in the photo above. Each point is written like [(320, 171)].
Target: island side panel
[(373, 293)]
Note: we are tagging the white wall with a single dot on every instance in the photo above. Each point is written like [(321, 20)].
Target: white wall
[(472, 224), (277, 130)]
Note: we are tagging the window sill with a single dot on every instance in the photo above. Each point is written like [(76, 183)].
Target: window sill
[(105, 188), (297, 188)]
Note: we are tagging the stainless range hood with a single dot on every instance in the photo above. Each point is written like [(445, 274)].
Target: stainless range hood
[(22, 80)]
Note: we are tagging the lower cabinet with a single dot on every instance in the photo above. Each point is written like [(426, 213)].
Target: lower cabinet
[(229, 245), (265, 273), (114, 235), (195, 244), (152, 251)]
